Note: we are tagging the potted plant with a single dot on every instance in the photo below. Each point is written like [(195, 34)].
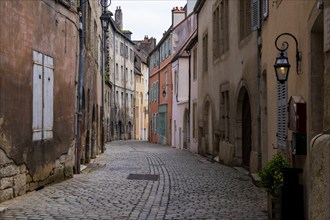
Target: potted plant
[(272, 178)]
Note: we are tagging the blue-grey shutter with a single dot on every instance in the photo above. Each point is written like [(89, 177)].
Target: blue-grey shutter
[(37, 97), (282, 116), (48, 110), (255, 7)]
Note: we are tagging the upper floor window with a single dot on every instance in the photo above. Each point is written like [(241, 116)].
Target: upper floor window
[(245, 18), (205, 52), (195, 63)]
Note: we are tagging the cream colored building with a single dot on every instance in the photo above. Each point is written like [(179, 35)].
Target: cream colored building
[(141, 95), (308, 22), (227, 66)]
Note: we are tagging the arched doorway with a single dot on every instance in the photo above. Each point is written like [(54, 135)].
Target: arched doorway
[(246, 131), (87, 148), (129, 130), (243, 128), (208, 129), (119, 130), (186, 129)]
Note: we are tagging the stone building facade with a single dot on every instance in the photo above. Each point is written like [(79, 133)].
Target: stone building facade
[(122, 80), (227, 67), (37, 113), (39, 85)]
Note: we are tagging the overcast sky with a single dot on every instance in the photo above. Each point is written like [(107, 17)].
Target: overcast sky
[(146, 17)]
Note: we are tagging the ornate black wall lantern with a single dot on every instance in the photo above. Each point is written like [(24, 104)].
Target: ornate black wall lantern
[(282, 65)]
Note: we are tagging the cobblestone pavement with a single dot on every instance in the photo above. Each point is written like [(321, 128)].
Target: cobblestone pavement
[(188, 187)]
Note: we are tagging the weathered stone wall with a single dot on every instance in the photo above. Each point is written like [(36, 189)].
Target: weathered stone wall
[(16, 180), (319, 182), (50, 28)]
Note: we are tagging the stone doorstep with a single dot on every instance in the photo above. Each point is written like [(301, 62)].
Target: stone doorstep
[(256, 179), (2, 209)]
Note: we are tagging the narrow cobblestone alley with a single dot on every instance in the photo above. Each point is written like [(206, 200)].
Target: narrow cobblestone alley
[(187, 187)]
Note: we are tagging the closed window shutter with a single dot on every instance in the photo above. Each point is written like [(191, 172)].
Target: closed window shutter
[(255, 7), (281, 117), (265, 6), (37, 97), (48, 97)]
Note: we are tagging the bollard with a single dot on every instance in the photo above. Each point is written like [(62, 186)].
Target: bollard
[(292, 199)]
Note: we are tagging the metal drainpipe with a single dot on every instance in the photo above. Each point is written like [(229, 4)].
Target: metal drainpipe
[(125, 92), (189, 93), (80, 85), (102, 95), (114, 84), (259, 90)]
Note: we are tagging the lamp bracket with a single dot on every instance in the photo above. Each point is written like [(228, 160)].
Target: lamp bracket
[(285, 46)]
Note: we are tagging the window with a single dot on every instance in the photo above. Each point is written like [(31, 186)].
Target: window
[(116, 73), (194, 120), (88, 31), (281, 117), (126, 76), (122, 99), (195, 64), (117, 97), (245, 18), (121, 73), (126, 51), (131, 55), (132, 78), (43, 97), (116, 45), (216, 33), (224, 31), (95, 40), (205, 53), (121, 49), (127, 102), (224, 108)]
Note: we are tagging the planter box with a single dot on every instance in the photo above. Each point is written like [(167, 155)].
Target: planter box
[(274, 207)]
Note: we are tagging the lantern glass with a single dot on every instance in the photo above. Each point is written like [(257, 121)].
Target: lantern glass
[(282, 67), (105, 19)]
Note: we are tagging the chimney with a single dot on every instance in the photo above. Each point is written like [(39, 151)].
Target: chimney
[(119, 17), (178, 14)]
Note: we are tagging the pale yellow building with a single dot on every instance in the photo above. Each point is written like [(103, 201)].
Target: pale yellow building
[(141, 95), (308, 86)]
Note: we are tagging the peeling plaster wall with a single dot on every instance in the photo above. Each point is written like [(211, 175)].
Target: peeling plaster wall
[(50, 28)]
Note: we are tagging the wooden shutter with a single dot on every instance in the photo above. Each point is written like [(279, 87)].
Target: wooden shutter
[(37, 97), (255, 7), (281, 117), (48, 110), (265, 5)]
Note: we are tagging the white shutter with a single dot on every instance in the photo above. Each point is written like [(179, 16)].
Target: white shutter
[(265, 6), (48, 117), (255, 7), (282, 117), (37, 97)]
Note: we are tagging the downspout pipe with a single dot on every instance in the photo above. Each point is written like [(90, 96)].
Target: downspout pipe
[(189, 92), (259, 46), (80, 84), (102, 82)]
